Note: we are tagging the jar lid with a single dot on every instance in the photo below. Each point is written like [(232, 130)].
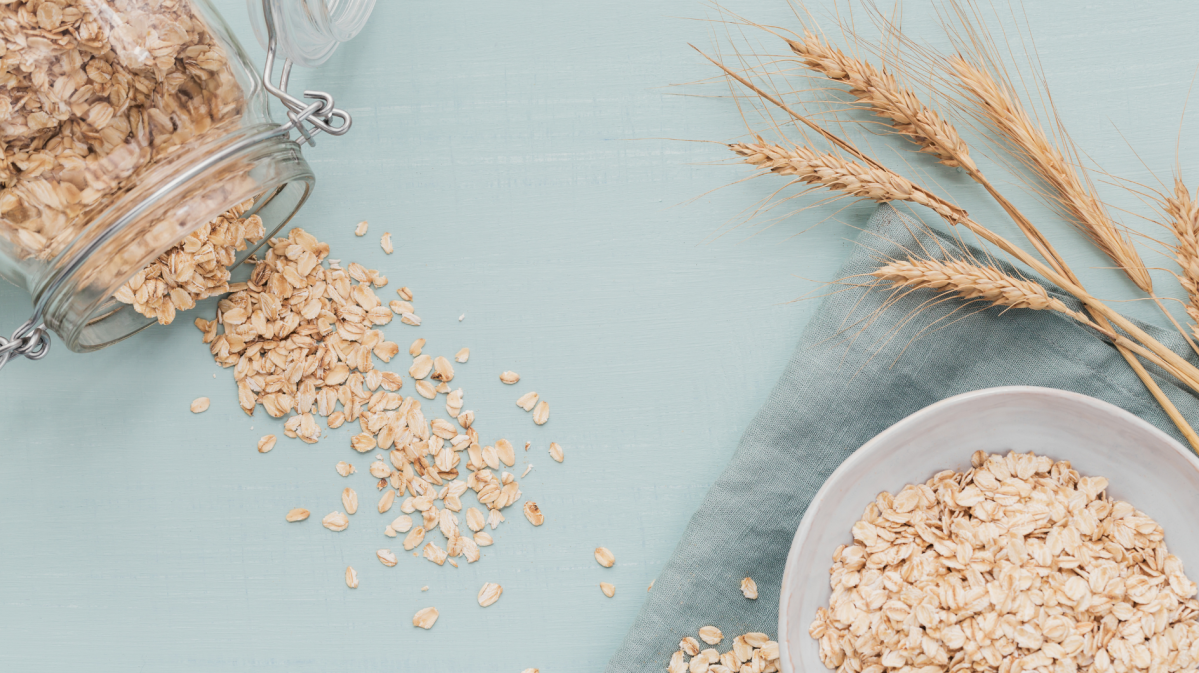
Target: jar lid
[(308, 31)]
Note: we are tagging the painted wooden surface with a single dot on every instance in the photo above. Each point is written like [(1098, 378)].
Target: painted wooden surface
[(521, 156)]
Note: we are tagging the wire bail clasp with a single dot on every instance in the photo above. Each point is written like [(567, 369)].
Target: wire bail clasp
[(319, 113), (30, 340)]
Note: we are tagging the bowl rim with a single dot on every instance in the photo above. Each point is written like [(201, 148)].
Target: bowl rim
[(916, 418)]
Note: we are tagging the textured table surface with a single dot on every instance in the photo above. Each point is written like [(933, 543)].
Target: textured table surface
[(529, 161)]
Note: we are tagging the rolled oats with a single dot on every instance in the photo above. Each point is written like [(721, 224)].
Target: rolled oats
[(360, 229), (509, 377), (442, 370), (527, 401), (608, 589), (199, 405), (749, 588), (489, 594), (385, 502), (96, 97), (351, 577), (335, 521), (387, 557), (711, 635), (541, 413), (414, 538), (266, 443), (194, 269), (1017, 562), (302, 336), (385, 242), (760, 657), (422, 365), (426, 390), (349, 500), (556, 451), (604, 557), (434, 553), (425, 618), (297, 514), (505, 452), (533, 513)]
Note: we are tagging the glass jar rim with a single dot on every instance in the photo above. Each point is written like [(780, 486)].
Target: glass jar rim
[(79, 321)]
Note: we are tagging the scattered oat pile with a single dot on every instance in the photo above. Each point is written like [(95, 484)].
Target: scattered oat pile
[(750, 653), (1018, 564), (302, 338)]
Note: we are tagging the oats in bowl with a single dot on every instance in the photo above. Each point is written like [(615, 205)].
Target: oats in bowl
[(1017, 564)]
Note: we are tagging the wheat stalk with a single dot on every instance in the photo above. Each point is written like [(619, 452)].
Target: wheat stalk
[(838, 174), (1006, 114), (877, 89), (971, 281), (1182, 212)]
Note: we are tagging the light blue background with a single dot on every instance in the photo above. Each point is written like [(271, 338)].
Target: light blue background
[(521, 156)]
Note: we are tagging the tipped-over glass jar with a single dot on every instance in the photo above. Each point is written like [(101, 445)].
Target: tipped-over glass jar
[(140, 158)]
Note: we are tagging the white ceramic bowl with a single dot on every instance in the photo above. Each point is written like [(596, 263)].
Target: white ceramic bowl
[(1143, 465)]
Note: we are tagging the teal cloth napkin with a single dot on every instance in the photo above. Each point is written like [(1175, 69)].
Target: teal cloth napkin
[(849, 379)]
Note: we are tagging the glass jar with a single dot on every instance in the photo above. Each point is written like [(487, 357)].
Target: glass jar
[(130, 128)]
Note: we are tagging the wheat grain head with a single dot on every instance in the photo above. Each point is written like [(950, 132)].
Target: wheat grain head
[(877, 89), (1182, 213), (972, 281), (841, 175)]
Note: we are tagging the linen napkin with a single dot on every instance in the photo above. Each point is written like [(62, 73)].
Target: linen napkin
[(851, 377)]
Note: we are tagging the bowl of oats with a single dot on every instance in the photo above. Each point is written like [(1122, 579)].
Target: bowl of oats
[(1008, 529)]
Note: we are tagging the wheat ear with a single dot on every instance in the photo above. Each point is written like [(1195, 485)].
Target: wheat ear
[(1002, 110), (838, 174), (877, 89), (1182, 211), (971, 281)]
